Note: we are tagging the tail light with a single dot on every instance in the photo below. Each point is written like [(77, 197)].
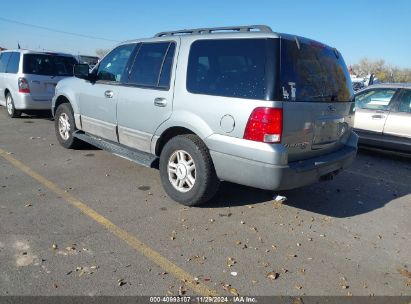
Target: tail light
[(265, 125), (23, 85)]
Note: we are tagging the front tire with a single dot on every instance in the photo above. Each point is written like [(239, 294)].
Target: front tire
[(11, 110), (65, 126), (187, 171)]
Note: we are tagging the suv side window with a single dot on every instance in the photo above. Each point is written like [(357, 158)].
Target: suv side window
[(405, 102), (13, 65), (4, 60), (378, 99), (112, 67), (230, 67), (152, 65)]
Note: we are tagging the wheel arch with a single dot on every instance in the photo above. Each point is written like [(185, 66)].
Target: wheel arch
[(59, 100), (6, 91), (169, 134)]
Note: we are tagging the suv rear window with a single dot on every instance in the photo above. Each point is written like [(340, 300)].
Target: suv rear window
[(51, 65), (311, 71), (229, 67)]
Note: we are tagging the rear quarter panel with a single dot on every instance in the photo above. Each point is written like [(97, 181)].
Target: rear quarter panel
[(203, 114)]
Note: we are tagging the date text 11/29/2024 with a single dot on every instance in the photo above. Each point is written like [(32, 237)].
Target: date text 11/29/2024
[(200, 299)]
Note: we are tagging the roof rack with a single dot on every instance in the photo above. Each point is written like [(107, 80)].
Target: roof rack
[(210, 30)]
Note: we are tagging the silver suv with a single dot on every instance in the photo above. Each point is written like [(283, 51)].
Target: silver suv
[(28, 79), (239, 104)]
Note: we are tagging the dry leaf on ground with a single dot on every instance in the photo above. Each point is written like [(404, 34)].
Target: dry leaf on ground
[(405, 272), (233, 291), (272, 275)]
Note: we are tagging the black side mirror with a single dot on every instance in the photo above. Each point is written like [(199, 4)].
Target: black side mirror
[(81, 71)]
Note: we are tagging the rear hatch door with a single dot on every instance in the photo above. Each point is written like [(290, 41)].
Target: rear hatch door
[(44, 71), (317, 93)]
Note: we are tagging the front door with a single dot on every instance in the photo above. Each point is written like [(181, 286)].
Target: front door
[(146, 99), (372, 109), (98, 99)]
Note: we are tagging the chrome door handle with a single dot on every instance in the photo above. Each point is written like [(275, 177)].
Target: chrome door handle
[(377, 116), (108, 94), (160, 102)]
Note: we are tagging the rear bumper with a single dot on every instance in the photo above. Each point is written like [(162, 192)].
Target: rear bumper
[(282, 177), (23, 101)]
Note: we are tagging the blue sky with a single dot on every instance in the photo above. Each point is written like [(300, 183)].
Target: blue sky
[(374, 29)]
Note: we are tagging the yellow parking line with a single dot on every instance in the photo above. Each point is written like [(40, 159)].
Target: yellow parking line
[(139, 246)]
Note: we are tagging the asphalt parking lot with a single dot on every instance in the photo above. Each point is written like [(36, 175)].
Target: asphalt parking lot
[(85, 222)]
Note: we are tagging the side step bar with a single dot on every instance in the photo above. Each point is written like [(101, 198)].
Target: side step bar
[(139, 157)]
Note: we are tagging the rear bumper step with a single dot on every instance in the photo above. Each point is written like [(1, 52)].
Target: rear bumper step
[(139, 157)]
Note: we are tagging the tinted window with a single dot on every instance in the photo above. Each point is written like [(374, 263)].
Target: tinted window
[(45, 64), (13, 65), (232, 68), (165, 75), (311, 71), (378, 99), (405, 102), (112, 67), (4, 60), (148, 63)]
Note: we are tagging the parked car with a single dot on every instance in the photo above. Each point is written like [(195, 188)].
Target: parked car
[(359, 83), (90, 60), (383, 116), (241, 104), (28, 79)]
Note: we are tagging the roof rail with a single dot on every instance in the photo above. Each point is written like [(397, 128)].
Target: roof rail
[(210, 30)]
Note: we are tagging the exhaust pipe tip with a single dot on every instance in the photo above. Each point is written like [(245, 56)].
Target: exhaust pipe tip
[(329, 176)]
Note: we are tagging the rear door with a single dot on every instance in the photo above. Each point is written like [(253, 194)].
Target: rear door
[(146, 98), (398, 123), (44, 71), (372, 108), (316, 89)]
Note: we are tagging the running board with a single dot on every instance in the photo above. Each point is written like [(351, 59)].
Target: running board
[(139, 157)]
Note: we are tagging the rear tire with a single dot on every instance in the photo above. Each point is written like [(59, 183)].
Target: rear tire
[(65, 126), (187, 170), (11, 110)]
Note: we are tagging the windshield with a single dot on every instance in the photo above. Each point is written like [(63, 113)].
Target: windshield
[(51, 65), (311, 71)]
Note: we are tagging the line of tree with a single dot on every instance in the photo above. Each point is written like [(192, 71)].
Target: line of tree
[(384, 72), (102, 52)]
